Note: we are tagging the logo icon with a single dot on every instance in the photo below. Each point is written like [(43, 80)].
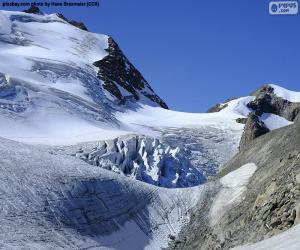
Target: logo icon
[(283, 8), (274, 7)]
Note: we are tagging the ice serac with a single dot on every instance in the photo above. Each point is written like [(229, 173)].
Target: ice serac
[(122, 80), (146, 159)]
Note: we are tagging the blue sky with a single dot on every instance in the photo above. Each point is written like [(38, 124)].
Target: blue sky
[(196, 53)]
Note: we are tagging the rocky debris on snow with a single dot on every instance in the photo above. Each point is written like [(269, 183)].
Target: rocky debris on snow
[(79, 25), (253, 129), (241, 120), (122, 80)]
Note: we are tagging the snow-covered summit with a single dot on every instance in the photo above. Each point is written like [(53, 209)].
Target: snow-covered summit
[(56, 77)]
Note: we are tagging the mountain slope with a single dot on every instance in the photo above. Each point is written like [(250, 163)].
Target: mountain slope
[(48, 77), (269, 205)]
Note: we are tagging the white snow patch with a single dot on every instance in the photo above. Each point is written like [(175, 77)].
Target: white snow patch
[(233, 187), (274, 121), (288, 240), (147, 116), (5, 24), (58, 128), (286, 94)]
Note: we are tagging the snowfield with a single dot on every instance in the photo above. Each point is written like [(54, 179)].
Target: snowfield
[(233, 187), (288, 240), (286, 94)]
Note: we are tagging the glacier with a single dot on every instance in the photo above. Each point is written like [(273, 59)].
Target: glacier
[(83, 168)]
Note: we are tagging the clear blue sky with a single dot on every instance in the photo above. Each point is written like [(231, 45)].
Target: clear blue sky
[(196, 53)]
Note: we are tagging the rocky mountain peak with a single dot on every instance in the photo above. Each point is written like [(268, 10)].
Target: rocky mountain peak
[(79, 25), (34, 10), (253, 129), (122, 80)]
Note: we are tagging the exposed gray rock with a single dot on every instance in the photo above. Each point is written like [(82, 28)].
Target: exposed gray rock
[(33, 10), (218, 107), (241, 120), (118, 74), (253, 129), (79, 25), (267, 102)]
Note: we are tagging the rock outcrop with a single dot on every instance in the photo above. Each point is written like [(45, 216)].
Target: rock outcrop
[(33, 10), (122, 80), (267, 102), (253, 129), (220, 106), (79, 25)]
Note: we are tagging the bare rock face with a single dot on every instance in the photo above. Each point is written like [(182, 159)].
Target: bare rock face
[(253, 129), (267, 102), (122, 80), (79, 25), (297, 119), (33, 10)]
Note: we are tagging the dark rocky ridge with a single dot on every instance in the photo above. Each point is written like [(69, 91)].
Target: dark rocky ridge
[(116, 71), (253, 129), (270, 205), (33, 10), (79, 25)]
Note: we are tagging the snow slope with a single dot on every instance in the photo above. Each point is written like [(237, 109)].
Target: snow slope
[(288, 240), (274, 121), (59, 202), (47, 77), (286, 94), (234, 185)]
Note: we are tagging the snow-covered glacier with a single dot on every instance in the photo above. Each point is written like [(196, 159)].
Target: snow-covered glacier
[(58, 87), (90, 156), (60, 202)]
